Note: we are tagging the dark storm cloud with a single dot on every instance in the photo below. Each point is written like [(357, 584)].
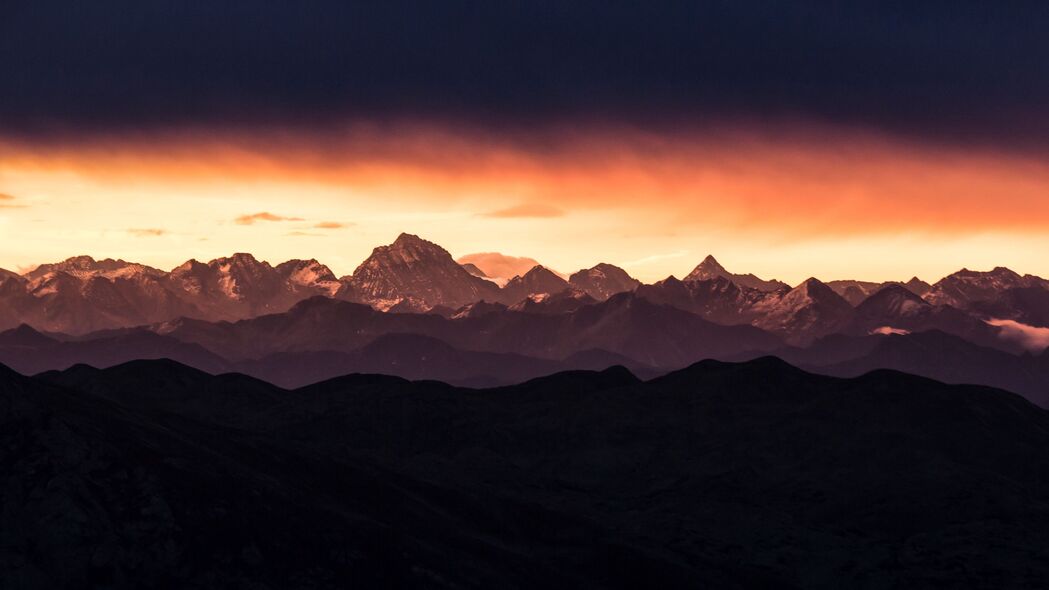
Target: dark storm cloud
[(953, 70)]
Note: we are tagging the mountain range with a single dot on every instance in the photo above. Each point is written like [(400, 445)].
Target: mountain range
[(410, 303), (154, 474)]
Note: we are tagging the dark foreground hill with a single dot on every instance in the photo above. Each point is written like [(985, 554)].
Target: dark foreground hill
[(152, 474)]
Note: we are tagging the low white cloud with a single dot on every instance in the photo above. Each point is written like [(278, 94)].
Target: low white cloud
[(1030, 337), (886, 330)]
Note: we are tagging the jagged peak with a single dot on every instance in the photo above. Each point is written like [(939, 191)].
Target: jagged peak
[(407, 238), (709, 266), (815, 287), (604, 269), (86, 267), (406, 241), (892, 291), (298, 263), (243, 257), (710, 261), (537, 272), (998, 270), (239, 259), (188, 265), (896, 288), (539, 269), (410, 248), (1002, 271)]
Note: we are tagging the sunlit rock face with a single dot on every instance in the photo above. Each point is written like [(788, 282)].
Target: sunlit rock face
[(414, 269)]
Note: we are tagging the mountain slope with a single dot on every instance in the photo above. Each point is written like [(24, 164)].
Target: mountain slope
[(803, 314), (951, 359), (537, 281), (966, 287), (895, 309), (420, 273), (718, 299), (1027, 305), (240, 286), (81, 295), (736, 475), (854, 291), (603, 281), (29, 352), (655, 335)]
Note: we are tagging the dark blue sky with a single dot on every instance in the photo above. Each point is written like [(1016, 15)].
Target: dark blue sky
[(943, 71)]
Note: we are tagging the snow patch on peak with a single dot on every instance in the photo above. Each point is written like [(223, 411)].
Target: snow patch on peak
[(227, 283)]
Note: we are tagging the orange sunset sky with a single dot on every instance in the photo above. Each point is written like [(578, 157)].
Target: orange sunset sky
[(786, 203), (867, 141)]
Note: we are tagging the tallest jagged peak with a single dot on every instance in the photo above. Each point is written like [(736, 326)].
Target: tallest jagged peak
[(244, 257), (410, 249), (406, 242), (407, 239), (83, 260)]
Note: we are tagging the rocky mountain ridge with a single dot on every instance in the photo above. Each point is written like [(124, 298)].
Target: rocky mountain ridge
[(412, 275)]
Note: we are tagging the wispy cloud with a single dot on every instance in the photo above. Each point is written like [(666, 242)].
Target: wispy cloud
[(304, 234), (331, 225), (526, 210), (263, 216), (656, 258), (1030, 337), (7, 202), (147, 232)]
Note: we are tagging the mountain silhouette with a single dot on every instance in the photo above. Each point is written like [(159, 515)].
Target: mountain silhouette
[(736, 475)]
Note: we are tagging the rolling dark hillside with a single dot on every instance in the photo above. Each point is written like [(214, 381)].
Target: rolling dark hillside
[(722, 475)]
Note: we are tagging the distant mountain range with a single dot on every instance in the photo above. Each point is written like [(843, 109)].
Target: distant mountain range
[(410, 303)]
